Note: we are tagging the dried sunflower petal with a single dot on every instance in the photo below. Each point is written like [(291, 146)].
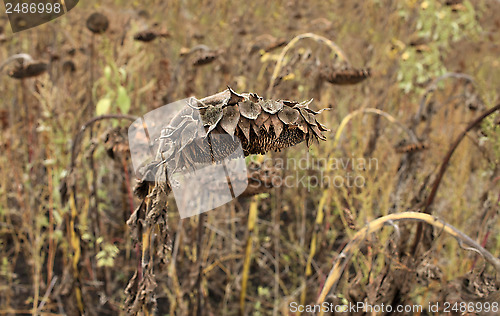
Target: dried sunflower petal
[(230, 118), (271, 106), (308, 117), (244, 125), (277, 125), (288, 115), (263, 117), (249, 109)]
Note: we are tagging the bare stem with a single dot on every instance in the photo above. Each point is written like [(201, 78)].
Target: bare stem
[(450, 152), (334, 47), (389, 117)]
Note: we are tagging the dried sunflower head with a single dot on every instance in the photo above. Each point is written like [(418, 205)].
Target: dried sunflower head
[(345, 75), (205, 57), (150, 35), (97, 23), (28, 70), (210, 129)]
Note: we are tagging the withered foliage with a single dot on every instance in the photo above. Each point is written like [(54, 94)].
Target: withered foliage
[(150, 215), (116, 143), (211, 129), (207, 131)]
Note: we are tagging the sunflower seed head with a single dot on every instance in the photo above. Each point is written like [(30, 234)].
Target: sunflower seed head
[(255, 124)]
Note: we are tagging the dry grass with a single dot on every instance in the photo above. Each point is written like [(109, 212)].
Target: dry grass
[(65, 247)]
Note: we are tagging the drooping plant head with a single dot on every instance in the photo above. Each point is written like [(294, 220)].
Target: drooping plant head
[(208, 130)]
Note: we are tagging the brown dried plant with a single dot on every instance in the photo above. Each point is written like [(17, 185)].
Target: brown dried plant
[(260, 125)]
